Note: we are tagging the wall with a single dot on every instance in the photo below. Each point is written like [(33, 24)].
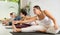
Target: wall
[(52, 6), (24, 3), (6, 8)]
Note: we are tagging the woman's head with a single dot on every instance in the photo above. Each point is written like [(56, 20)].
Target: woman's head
[(37, 9), (12, 14), (23, 13)]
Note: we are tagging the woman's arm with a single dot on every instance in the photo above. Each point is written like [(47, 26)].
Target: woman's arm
[(28, 20), (51, 17)]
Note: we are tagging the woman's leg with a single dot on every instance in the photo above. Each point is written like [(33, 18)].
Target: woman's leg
[(27, 29), (41, 31), (32, 29), (42, 28)]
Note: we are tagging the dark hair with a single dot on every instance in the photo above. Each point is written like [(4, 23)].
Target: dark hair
[(11, 13), (37, 7), (23, 11)]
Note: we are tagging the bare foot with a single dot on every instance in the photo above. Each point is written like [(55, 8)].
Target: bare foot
[(18, 30), (14, 31)]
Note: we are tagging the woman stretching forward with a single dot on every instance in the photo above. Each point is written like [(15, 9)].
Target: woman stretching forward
[(44, 19)]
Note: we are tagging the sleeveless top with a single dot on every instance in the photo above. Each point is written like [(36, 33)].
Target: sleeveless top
[(46, 21)]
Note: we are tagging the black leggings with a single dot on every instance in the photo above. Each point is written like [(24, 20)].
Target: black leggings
[(22, 26)]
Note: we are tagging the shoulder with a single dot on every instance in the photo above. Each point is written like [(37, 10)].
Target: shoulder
[(46, 11), (17, 18)]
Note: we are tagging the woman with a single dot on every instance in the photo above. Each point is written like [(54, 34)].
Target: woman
[(44, 17), (24, 17), (9, 21)]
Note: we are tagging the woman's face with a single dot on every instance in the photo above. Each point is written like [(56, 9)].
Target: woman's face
[(22, 15), (36, 11), (12, 16)]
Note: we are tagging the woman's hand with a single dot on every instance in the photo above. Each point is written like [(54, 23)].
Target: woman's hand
[(56, 27), (17, 22)]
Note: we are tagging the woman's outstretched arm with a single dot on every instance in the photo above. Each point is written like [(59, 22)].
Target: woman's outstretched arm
[(28, 20)]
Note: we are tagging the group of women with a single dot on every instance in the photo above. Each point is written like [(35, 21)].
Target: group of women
[(41, 22)]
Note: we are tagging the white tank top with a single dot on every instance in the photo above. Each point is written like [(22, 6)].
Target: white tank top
[(45, 21)]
